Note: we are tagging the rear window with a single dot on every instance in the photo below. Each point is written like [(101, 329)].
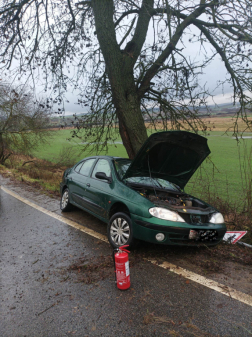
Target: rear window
[(77, 168)]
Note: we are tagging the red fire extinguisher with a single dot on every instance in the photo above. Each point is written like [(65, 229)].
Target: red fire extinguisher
[(122, 272)]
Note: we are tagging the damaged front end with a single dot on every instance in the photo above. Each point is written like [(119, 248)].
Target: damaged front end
[(180, 207)]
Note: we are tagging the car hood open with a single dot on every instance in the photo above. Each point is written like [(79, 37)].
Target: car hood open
[(171, 155)]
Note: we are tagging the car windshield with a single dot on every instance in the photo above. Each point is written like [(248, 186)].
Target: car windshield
[(122, 166)]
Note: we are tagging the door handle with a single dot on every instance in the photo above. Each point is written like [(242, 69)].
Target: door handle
[(88, 185)]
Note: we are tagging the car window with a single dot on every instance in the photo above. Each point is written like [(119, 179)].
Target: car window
[(77, 168), (102, 166), (86, 167)]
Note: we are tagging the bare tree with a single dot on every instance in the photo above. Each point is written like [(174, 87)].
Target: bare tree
[(123, 73), (23, 121)]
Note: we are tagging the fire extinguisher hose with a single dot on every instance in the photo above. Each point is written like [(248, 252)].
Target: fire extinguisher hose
[(113, 255)]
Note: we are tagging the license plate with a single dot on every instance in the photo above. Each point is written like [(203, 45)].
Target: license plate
[(193, 234)]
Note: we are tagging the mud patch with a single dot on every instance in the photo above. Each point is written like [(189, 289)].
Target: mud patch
[(90, 271), (212, 258), (209, 265), (93, 270)]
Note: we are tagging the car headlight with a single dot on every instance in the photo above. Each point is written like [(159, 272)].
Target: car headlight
[(217, 218), (165, 214)]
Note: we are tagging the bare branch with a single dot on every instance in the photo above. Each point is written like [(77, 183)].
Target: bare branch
[(168, 50), (133, 48)]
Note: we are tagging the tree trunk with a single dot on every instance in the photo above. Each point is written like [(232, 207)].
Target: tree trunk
[(127, 104), (131, 124), (119, 67)]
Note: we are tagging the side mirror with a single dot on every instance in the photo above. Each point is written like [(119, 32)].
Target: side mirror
[(103, 176)]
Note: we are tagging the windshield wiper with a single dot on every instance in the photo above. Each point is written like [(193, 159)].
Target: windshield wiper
[(176, 186), (158, 183)]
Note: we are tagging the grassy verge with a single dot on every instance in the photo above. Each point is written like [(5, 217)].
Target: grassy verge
[(43, 175)]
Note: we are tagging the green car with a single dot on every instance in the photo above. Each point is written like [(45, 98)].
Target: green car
[(144, 198)]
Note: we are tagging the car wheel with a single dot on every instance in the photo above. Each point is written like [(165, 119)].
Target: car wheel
[(120, 230), (65, 205)]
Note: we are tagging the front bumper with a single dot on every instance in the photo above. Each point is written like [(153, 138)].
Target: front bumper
[(176, 233)]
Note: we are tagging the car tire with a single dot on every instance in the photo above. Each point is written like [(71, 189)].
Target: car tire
[(120, 230), (65, 205)]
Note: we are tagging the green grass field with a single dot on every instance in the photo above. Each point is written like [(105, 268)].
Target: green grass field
[(222, 172)]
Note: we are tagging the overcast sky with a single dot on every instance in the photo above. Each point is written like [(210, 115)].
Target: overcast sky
[(214, 72)]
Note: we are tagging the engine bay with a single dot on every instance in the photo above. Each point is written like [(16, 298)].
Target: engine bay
[(170, 199)]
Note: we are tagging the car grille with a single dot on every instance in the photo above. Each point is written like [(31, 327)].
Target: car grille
[(195, 218)]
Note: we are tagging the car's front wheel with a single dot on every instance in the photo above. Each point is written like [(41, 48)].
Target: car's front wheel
[(120, 230), (65, 205)]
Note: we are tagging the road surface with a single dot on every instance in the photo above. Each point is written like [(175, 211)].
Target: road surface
[(56, 280)]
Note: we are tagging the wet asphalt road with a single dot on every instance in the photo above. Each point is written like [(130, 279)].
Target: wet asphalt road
[(41, 296)]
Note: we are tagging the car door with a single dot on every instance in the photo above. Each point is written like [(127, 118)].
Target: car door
[(99, 190), (78, 184), (72, 181)]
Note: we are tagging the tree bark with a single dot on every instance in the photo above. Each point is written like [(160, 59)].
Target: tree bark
[(131, 124), (119, 67)]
